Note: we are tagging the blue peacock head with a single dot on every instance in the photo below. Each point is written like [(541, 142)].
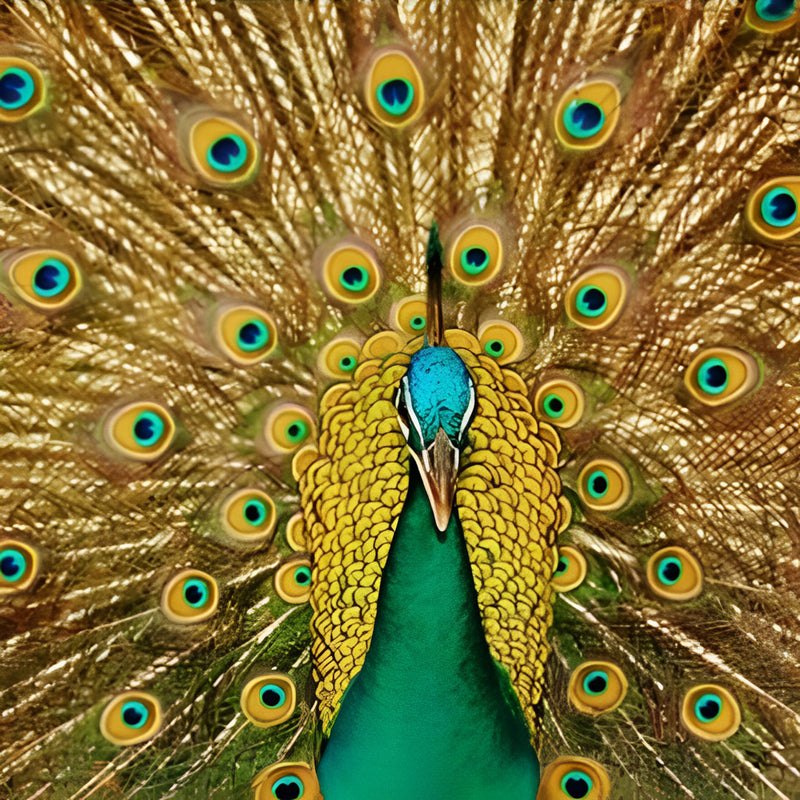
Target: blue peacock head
[(436, 401)]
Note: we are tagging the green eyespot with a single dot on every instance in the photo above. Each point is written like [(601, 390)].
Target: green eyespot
[(190, 596), (140, 431), (597, 298), (350, 273), (587, 114), (269, 699), (22, 89), (19, 566), (597, 687), (220, 151), (287, 427), (293, 580), (710, 712), (574, 778), (46, 279), (675, 574), (475, 256), (393, 90), (720, 375), (559, 401), (131, 718)]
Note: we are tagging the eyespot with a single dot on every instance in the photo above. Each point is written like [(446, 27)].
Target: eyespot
[(249, 516), (245, 334), (501, 340), (293, 581), (604, 485), (141, 431), (190, 596), (720, 375), (711, 712), (350, 274), (675, 574), (597, 298), (46, 279), (586, 115), (771, 16), (288, 426), (574, 778), (569, 570), (221, 152), (22, 90), (772, 209), (269, 699), (339, 358), (410, 315), (596, 687), (559, 402), (476, 255), (19, 566), (287, 781), (394, 90), (131, 718)]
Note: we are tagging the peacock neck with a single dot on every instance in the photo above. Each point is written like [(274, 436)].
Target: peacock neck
[(430, 712)]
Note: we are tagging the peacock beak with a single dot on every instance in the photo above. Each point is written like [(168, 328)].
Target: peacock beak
[(438, 466)]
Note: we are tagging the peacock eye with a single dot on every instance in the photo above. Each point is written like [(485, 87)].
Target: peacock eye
[(675, 574), (476, 255), (131, 718), (604, 485), (597, 298), (249, 515), (339, 358), (245, 334), (569, 570), (46, 279), (410, 315), (287, 427), (394, 90), (596, 687), (575, 778), (286, 781), (219, 150), (720, 375), (268, 700), (19, 566), (559, 401), (501, 341), (293, 581), (772, 208), (190, 596), (22, 90), (350, 274), (587, 115), (141, 431), (774, 10), (710, 712)]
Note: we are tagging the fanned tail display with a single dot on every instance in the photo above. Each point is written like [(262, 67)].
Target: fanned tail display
[(400, 400)]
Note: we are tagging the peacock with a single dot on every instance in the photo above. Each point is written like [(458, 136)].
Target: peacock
[(400, 399)]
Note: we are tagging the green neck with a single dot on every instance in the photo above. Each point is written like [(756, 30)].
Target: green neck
[(430, 713)]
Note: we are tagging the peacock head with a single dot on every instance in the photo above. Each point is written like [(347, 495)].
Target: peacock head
[(435, 405)]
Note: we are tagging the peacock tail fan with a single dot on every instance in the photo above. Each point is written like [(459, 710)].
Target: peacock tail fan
[(276, 523)]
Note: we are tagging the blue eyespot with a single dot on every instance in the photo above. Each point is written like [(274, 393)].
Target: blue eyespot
[(494, 348), (12, 564), (670, 570), (596, 682), (252, 335), (228, 153), (775, 10), (591, 301), (576, 784), (302, 576), (354, 278), (288, 788), (712, 376), (272, 695), (597, 484), (148, 429), (779, 207), (50, 278), (134, 714), (708, 707), (16, 88), (255, 512), (195, 593), (553, 406), (395, 96), (475, 259), (583, 119), (347, 363)]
